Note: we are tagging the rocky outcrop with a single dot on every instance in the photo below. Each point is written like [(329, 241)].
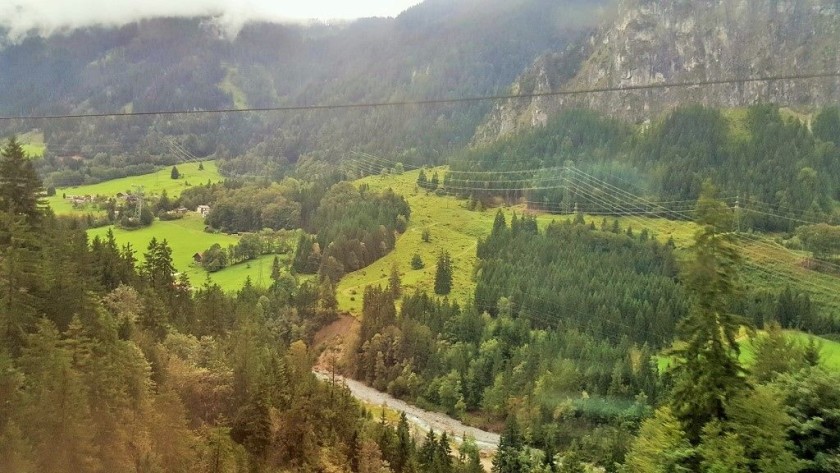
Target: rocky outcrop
[(674, 41)]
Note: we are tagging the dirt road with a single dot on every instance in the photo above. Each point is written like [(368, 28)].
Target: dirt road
[(486, 441)]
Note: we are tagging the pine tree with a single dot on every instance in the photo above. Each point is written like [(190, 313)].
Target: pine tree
[(422, 180), (275, 269), (514, 224), (443, 455), (499, 224), (661, 445), (163, 204), (443, 274), (21, 192), (175, 174), (394, 281), (18, 279), (404, 448), (508, 457), (353, 451), (426, 454), (158, 267), (416, 261), (57, 414), (812, 352), (708, 373), (21, 215), (326, 295)]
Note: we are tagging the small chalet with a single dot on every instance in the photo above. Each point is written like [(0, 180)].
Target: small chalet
[(203, 210)]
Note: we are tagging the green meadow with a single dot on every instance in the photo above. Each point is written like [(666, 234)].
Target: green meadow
[(455, 229), (829, 349), (33, 143), (829, 352), (452, 228), (187, 237), (152, 184)]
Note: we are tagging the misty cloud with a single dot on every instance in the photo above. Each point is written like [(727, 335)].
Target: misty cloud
[(46, 17)]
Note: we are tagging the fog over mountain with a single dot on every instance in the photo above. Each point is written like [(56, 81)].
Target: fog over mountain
[(46, 17), (438, 49)]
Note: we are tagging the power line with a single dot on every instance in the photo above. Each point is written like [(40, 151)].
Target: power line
[(615, 203), (446, 101)]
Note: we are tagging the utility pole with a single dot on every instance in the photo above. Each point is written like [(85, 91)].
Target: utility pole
[(737, 215)]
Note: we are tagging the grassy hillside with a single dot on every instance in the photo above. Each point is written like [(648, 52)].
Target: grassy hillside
[(187, 237), (453, 228), (153, 184), (457, 230), (228, 85), (767, 264), (830, 349), (33, 143)]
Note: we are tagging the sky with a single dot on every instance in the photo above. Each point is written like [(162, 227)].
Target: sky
[(45, 17)]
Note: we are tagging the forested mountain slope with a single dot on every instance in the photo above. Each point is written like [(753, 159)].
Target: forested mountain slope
[(433, 50), (653, 42)]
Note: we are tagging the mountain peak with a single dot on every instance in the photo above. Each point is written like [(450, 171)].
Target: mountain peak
[(656, 42)]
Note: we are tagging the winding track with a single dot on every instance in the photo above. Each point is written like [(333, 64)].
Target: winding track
[(486, 441)]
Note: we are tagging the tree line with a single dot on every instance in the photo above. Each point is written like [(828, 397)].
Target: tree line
[(773, 163), (110, 361), (590, 371), (354, 227), (528, 344)]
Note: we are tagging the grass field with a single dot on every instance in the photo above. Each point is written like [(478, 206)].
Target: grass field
[(33, 143), (153, 184), (187, 237), (457, 230), (240, 99), (830, 350), (453, 228), (767, 264)]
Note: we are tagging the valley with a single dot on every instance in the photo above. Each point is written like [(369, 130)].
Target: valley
[(440, 236)]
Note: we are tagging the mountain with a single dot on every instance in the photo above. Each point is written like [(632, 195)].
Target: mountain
[(652, 41), (437, 49)]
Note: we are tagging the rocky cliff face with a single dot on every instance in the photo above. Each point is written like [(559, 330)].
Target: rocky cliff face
[(666, 41)]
